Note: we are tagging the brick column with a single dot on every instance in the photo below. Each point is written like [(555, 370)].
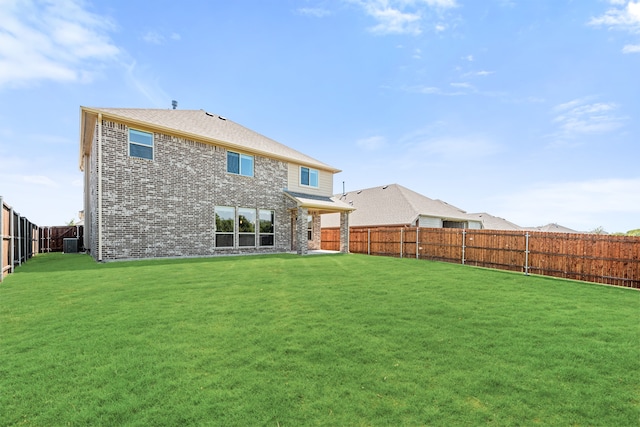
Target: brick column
[(316, 234), (301, 232), (344, 232)]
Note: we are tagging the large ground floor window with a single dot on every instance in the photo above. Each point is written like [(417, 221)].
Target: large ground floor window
[(244, 227), (267, 228), (225, 226)]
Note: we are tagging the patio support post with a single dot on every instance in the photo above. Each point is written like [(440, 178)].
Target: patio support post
[(344, 232), (301, 232)]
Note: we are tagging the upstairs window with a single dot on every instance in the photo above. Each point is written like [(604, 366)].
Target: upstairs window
[(240, 164), (140, 144), (308, 177)]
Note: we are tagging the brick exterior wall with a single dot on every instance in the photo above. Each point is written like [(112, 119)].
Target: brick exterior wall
[(165, 207)]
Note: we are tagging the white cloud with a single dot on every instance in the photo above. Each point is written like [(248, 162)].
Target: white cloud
[(58, 41), (432, 90), (481, 73), (460, 88), (581, 205), (393, 21), (625, 18), (456, 147), (153, 37), (581, 117), (146, 84), (402, 16), (431, 141), (631, 48), (372, 143), (39, 180)]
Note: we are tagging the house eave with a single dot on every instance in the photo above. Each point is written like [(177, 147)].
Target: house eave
[(202, 138), (323, 206)]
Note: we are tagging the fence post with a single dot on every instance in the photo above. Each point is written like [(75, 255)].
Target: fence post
[(401, 242), (526, 254), (368, 241), (12, 243), (417, 242), (19, 240), (464, 235)]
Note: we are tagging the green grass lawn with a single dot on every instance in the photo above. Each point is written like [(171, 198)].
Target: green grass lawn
[(337, 340)]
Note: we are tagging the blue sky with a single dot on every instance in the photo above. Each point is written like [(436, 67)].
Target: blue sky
[(527, 110)]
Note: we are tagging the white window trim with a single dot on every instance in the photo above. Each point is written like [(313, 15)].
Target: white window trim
[(152, 146), (240, 156), (310, 170), (243, 233), (234, 233), (259, 233)]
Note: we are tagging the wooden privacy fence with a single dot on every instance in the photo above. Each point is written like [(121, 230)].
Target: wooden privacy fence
[(19, 239), (613, 260), (52, 238)]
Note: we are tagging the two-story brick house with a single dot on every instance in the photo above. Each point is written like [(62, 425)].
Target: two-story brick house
[(169, 183)]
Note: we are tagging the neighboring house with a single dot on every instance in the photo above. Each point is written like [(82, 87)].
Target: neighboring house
[(491, 222), (552, 228), (395, 205), (171, 183)]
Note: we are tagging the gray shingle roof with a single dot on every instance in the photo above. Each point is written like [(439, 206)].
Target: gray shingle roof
[(393, 205), (491, 222), (207, 127), (552, 228)]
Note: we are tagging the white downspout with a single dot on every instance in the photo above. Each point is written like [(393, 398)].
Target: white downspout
[(100, 187)]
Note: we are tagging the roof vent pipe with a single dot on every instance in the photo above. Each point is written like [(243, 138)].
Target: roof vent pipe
[(174, 104)]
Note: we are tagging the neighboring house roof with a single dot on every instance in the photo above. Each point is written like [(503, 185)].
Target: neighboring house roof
[(491, 222), (201, 126), (393, 205), (552, 228)]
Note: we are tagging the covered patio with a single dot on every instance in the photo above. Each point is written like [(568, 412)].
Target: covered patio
[(306, 225)]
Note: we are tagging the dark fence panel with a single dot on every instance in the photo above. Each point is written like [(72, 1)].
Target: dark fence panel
[(52, 238)]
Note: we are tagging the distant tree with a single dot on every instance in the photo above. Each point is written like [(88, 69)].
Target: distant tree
[(635, 232), (598, 230), (72, 222)]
